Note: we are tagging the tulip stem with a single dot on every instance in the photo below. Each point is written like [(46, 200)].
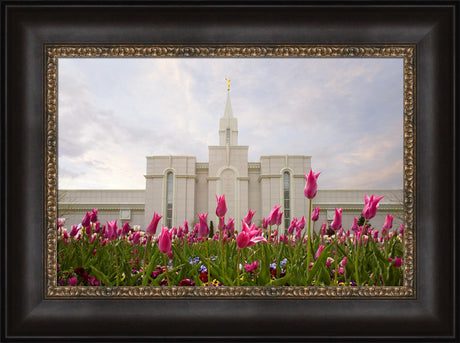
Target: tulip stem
[(357, 252), (166, 269), (209, 262), (116, 263), (336, 264), (145, 257), (309, 239), (222, 251), (238, 268)]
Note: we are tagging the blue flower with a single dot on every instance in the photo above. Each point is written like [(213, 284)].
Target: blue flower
[(193, 261), (283, 262), (202, 269)]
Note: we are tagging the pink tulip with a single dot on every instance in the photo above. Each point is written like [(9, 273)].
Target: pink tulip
[(230, 225), (354, 226), (329, 261), (401, 229), (248, 218), (318, 252), (152, 228), (315, 214), (112, 230), (371, 206), (97, 227), (221, 208), (222, 223), (384, 231), (337, 222), (301, 223), (60, 222), (73, 281), (165, 240), (376, 235), (251, 268), (273, 216), (93, 216), (85, 222), (388, 222), (265, 223), (136, 237), (278, 220), (323, 229), (344, 262), (311, 186), (298, 234), (203, 229), (74, 231), (397, 261), (249, 236), (242, 240), (292, 226), (185, 227), (126, 228)]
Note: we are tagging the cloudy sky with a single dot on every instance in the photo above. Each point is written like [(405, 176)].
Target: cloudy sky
[(345, 113)]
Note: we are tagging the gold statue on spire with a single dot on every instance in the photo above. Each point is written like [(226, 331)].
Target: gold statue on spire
[(228, 84)]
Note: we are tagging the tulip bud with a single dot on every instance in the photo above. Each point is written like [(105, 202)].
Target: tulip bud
[(337, 222), (315, 214), (203, 229), (221, 206), (388, 222), (165, 240), (318, 252), (311, 185), (371, 205), (152, 228), (248, 218)]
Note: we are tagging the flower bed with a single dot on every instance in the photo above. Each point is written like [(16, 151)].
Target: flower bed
[(92, 254)]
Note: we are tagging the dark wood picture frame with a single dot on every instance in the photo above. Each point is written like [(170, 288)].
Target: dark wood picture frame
[(28, 314)]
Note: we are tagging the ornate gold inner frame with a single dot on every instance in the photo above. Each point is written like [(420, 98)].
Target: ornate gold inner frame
[(54, 52)]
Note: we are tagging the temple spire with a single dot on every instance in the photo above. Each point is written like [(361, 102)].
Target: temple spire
[(228, 126), (228, 113)]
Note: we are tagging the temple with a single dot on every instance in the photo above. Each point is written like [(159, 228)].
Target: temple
[(180, 187)]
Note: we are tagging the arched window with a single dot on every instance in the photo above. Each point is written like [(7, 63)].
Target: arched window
[(228, 136), (169, 199), (287, 199)]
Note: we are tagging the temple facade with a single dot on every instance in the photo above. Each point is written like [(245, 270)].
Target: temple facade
[(180, 187)]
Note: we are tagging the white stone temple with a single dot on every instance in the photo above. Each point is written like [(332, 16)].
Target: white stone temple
[(180, 187)]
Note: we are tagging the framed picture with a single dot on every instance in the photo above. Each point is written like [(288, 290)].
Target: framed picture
[(368, 83), (38, 39)]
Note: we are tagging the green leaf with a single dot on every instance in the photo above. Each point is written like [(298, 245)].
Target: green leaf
[(149, 269), (280, 282), (325, 277), (101, 276), (265, 267), (318, 264)]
